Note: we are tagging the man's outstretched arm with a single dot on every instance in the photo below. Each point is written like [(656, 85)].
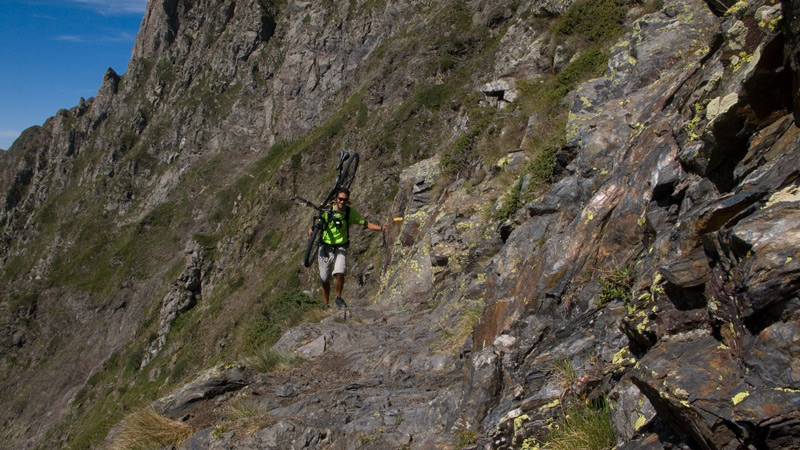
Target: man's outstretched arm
[(374, 226)]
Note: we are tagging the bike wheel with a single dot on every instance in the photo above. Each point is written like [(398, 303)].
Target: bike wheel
[(312, 247), (349, 171)]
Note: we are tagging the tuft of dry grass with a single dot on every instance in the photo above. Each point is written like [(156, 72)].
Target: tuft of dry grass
[(315, 315), (147, 429), (467, 318), (264, 359), (565, 374), (241, 408)]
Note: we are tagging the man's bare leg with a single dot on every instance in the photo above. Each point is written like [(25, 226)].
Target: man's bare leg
[(326, 292), (338, 281)]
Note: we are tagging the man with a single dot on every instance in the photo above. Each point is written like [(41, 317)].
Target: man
[(335, 241)]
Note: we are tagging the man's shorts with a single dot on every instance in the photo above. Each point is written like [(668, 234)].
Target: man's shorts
[(331, 259)]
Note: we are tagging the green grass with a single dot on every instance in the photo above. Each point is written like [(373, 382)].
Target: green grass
[(588, 64), (265, 167), (583, 427), (467, 317), (105, 256), (214, 94), (276, 313)]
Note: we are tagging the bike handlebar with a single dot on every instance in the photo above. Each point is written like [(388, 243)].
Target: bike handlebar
[(309, 203)]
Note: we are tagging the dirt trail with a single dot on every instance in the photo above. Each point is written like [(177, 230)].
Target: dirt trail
[(371, 381)]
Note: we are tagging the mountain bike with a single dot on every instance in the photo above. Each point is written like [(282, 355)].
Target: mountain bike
[(346, 173)]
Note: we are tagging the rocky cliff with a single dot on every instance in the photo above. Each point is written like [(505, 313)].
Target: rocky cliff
[(599, 221)]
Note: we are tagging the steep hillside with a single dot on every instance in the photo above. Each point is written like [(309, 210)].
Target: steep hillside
[(599, 206)]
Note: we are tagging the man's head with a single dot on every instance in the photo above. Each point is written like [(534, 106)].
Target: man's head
[(343, 196)]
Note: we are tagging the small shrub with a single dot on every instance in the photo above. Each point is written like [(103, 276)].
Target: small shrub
[(272, 239), (281, 205), (542, 165), (365, 438), (617, 285), (435, 96), (511, 203), (465, 438), (461, 155), (219, 430), (128, 139), (160, 216), (297, 162), (165, 72), (207, 241), (134, 360)]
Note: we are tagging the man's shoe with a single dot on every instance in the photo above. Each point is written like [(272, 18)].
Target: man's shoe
[(340, 302)]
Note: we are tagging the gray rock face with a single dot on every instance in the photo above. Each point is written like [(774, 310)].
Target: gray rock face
[(182, 296), (699, 300)]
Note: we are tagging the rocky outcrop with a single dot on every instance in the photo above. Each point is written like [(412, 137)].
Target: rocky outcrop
[(182, 296), (674, 193)]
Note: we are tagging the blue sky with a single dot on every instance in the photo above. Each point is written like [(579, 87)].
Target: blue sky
[(53, 52)]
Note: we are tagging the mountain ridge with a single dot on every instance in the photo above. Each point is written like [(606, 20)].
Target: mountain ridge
[(594, 212)]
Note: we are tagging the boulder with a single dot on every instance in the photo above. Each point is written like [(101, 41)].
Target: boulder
[(700, 389), (211, 383), (768, 243)]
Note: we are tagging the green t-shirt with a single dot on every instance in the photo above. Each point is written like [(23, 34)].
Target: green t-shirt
[(337, 235)]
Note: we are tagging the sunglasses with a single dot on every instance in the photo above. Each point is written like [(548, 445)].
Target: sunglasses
[(342, 199)]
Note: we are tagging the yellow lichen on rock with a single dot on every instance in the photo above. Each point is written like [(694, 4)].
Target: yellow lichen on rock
[(739, 397), (640, 422)]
